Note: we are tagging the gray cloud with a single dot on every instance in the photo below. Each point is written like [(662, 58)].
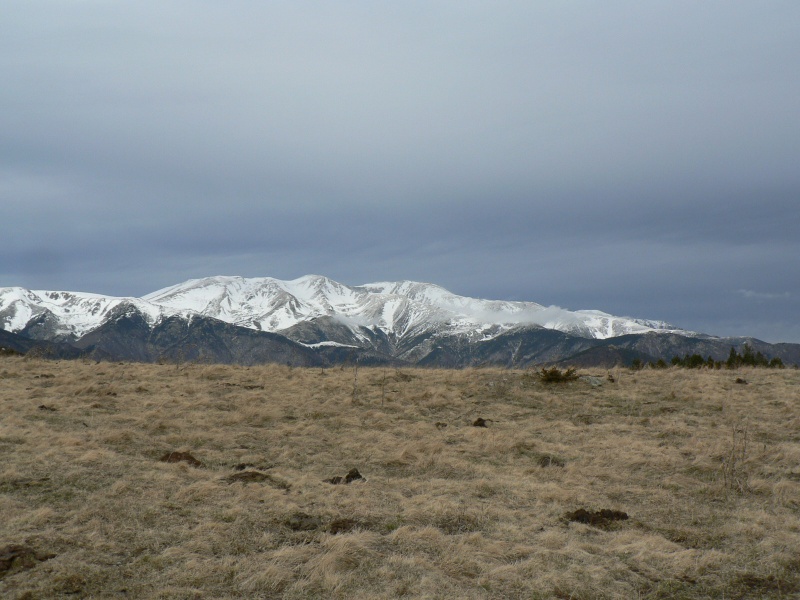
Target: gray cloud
[(633, 158), (762, 295)]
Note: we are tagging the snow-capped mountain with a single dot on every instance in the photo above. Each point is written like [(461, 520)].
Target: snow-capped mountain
[(314, 320), (396, 309), (65, 315)]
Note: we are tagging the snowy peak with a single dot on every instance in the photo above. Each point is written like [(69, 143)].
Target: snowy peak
[(70, 314), (261, 303), (397, 309)]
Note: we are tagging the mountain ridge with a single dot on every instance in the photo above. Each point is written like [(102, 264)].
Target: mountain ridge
[(402, 322)]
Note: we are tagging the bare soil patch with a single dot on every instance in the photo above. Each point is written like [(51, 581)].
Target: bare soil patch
[(596, 518)]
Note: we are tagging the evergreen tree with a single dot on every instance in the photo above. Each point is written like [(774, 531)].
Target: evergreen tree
[(733, 359)]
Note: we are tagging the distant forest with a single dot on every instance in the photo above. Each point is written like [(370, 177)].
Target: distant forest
[(747, 358)]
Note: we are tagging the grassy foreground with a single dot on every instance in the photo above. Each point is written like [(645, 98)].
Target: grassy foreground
[(706, 469)]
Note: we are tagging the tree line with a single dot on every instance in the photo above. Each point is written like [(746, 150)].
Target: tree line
[(747, 358)]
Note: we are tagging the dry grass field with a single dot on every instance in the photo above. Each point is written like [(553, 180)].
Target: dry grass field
[(706, 470)]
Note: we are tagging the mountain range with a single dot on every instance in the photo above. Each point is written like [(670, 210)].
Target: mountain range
[(314, 320)]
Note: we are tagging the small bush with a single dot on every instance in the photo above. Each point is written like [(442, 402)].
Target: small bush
[(556, 375)]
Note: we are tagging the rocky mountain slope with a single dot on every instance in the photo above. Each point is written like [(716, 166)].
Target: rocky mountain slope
[(315, 320)]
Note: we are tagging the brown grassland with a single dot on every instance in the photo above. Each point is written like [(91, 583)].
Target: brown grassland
[(706, 469)]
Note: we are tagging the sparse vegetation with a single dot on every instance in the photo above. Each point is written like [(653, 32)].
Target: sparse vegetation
[(283, 483), (556, 375)]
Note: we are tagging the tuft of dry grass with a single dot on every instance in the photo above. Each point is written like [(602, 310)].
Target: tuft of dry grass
[(527, 506)]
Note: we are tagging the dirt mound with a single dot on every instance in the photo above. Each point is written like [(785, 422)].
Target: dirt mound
[(342, 526), (15, 558), (352, 475), (303, 522), (598, 518), (173, 457)]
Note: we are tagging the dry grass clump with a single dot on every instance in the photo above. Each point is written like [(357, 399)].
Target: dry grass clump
[(151, 481)]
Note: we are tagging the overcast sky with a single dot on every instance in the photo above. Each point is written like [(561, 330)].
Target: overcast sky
[(640, 158)]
